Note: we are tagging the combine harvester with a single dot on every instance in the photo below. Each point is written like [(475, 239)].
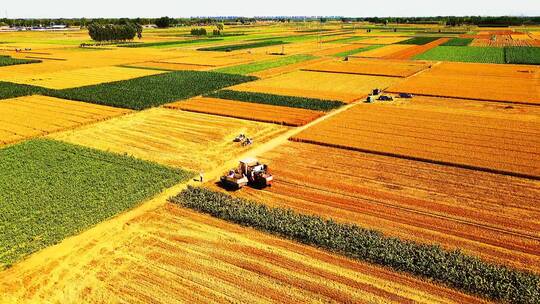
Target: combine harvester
[(249, 172)]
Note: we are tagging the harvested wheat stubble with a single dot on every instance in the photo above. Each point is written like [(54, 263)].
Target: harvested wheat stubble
[(386, 50), (287, 68), (330, 86), (488, 82), (181, 139), (79, 78), (374, 67), (335, 50), (247, 110), (411, 52), (31, 116), (505, 146), (172, 255), (490, 215), (171, 66)]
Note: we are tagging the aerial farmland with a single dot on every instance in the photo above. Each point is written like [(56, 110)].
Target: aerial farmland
[(270, 160)]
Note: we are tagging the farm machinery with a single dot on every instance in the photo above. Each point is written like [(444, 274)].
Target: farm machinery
[(249, 172)]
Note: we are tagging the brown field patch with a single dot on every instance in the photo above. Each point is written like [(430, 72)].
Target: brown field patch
[(493, 143), (489, 82), (385, 51), (246, 110), (419, 49)]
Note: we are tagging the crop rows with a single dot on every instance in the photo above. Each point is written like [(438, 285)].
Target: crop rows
[(236, 47), (458, 42), (51, 190), (419, 40), (248, 110), (170, 44), (278, 100), (451, 268), (503, 83), (175, 138), (210, 260), (434, 135), (6, 60), (265, 65), (32, 116), (150, 91), (464, 54)]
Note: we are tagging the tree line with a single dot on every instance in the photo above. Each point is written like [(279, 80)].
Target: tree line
[(169, 22), (114, 32)]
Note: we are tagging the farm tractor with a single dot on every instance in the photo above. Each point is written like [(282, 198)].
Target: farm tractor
[(249, 172)]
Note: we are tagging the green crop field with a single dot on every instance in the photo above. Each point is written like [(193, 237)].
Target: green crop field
[(235, 47), (419, 40), (458, 42), (522, 55), (265, 65), (347, 40), (359, 50), (151, 91), (278, 100), (11, 90), (171, 44), (51, 190), (464, 54), (7, 60)]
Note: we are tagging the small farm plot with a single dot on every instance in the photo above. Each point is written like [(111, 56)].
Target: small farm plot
[(522, 55), (464, 54), (419, 49), (176, 138), (236, 47), (248, 110), (329, 86), (215, 261), (384, 40), (51, 190), (386, 50), (504, 83), (458, 42), (78, 78), (265, 65), (31, 116), (146, 92), (472, 140), (373, 67), (419, 40)]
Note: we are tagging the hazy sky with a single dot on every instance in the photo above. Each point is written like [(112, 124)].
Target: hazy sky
[(176, 8)]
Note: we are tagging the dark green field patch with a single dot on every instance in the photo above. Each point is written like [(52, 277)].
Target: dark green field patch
[(235, 47), (52, 190), (167, 44), (464, 54), (522, 55), (278, 100), (151, 91), (245, 69), (358, 50), (419, 40), (12, 90), (458, 42), (7, 60)]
